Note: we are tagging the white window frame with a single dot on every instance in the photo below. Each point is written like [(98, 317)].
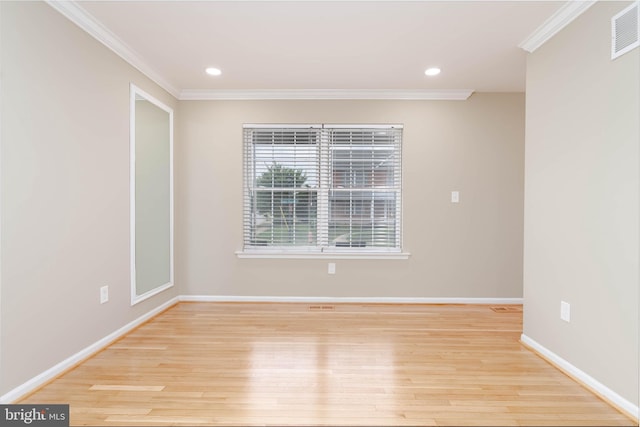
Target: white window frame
[(322, 249)]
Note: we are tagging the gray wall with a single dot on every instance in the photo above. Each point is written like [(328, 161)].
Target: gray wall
[(581, 203), (470, 249), (64, 189)]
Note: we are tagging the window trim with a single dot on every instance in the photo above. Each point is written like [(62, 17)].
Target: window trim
[(325, 252), (291, 254)]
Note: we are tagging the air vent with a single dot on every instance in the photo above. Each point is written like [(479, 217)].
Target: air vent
[(321, 307), (625, 31)]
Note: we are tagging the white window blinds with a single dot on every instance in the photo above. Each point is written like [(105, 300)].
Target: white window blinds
[(322, 188)]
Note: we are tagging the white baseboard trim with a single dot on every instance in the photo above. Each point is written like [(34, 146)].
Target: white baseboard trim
[(357, 300), (582, 377), (69, 362)]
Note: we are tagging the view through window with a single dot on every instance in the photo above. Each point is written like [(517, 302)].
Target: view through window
[(323, 187)]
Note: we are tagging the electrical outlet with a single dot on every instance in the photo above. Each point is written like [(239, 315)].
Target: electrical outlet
[(455, 197), (332, 268), (104, 294), (565, 311)]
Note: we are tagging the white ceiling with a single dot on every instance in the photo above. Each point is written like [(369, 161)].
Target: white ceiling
[(344, 45)]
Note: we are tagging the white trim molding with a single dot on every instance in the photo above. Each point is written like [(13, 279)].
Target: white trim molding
[(255, 254), (314, 94), (582, 377), (89, 351), (556, 22), (83, 19), (135, 94), (353, 300)]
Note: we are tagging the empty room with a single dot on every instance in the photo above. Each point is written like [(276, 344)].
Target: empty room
[(336, 213)]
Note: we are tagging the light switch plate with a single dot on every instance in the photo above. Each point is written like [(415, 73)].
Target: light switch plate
[(104, 294), (455, 197), (565, 311)]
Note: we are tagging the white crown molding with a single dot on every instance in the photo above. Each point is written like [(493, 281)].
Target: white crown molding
[(83, 19), (591, 383), (556, 22), (314, 94)]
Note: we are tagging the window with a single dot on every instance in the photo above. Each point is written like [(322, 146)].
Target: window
[(322, 188)]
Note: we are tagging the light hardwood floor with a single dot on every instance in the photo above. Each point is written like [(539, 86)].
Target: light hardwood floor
[(321, 364)]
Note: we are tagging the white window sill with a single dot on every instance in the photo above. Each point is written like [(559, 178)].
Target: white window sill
[(320, 255)]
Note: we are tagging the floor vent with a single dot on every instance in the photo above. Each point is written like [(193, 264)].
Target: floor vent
[(321, 307), (625, 30), (507, 309)]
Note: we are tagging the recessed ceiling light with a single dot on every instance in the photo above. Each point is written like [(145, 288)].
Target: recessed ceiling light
[(213, 71), (434, 71)]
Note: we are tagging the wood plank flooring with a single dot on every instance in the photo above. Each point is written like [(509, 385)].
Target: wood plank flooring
[(343, 364)]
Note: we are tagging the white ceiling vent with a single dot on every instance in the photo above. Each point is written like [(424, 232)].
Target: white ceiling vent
[(625, 31)]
